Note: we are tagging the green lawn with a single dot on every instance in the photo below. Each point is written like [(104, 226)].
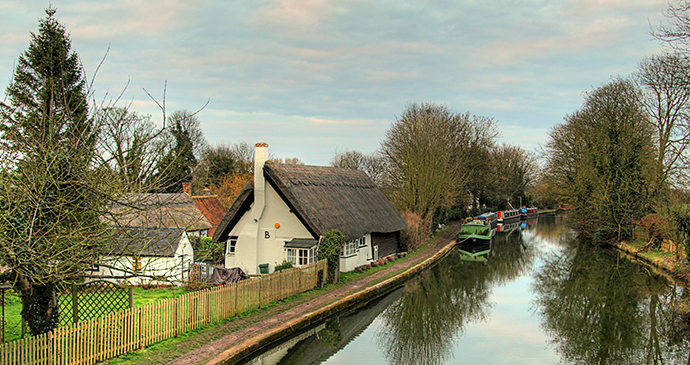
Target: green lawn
[(13, 306)]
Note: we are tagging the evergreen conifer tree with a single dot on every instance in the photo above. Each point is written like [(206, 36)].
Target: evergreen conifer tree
[(49, 222)]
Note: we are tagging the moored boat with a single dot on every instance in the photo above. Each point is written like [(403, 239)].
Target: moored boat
[(475, 231), (528, 213), (507, 215), (489, 217)]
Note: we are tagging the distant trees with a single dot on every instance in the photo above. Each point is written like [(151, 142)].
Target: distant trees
[(438, 165), (434, 158), (184, 143), (600, 160), (429, 161), (512, 172), (372, 164), (226, 169)]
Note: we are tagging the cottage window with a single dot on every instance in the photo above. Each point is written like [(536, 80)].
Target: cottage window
[(232, 243), (349, 249), (299, 256), (303, 257), (362, 241), (136, 264), (291, 256)]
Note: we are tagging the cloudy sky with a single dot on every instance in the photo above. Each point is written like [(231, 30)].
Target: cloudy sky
[(311, 77)]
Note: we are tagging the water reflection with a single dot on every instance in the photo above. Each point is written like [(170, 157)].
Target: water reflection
[(420, 327), (600, 308), (316, 345), (595, 306)]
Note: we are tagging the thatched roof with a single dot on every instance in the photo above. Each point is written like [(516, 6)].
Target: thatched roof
[(140, 241), (323, 198), (160, 211)]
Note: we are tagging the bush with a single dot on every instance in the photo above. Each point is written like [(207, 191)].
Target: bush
[(205, 249), (329, 248), (283, 266), (418, 230)]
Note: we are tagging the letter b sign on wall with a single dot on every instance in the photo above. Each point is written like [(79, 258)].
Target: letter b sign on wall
[(267, 234)]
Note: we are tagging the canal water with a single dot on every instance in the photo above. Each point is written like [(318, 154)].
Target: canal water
[(537, 297)]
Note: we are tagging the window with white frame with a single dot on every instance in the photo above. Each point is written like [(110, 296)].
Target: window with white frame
[(301, 256), (349, 249), (232, 243), (292, 255), (362, 241)]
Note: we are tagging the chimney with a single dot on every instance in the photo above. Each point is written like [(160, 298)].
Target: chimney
[(207, 190), (187, 188), (260, 156)]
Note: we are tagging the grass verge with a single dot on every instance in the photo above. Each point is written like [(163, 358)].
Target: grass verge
[(170, 349)]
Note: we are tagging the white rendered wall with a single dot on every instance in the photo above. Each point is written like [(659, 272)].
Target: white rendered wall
[(261, 242), (362, 257), (175, 269)]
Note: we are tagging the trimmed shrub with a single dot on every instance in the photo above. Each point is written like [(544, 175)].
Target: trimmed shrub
[(329, 248)]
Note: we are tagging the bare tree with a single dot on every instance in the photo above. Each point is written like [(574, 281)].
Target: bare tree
[(677, 33), (374, 165), (129, 145), (665, 83), (513, 172), (428, 152)]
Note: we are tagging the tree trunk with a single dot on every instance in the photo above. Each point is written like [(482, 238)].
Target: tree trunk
[(39, 306)]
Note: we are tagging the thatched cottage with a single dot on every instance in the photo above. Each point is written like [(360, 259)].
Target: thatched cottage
[(283, 213)]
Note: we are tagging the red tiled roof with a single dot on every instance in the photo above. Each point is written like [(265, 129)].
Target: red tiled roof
[(211, 208)]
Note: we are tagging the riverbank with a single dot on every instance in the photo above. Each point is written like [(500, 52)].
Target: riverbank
[(244, 348), (238, 337), (666, 262)]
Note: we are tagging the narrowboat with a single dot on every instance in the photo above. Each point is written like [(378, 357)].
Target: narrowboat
[(503, 216), (528, 213), (489, 217), (475, 231)]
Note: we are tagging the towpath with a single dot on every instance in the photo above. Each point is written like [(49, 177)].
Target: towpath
[(214, 347)]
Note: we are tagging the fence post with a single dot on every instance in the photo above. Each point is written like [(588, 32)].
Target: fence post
[(280, 286), (141, 325), (261, 285), (75, 304), (52, 337), (177, 308), (208, 305), (236, 314)]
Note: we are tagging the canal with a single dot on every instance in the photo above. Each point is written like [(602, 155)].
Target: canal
[(537, 297)]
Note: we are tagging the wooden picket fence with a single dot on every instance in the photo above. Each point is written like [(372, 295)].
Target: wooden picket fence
[(117, 333)]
